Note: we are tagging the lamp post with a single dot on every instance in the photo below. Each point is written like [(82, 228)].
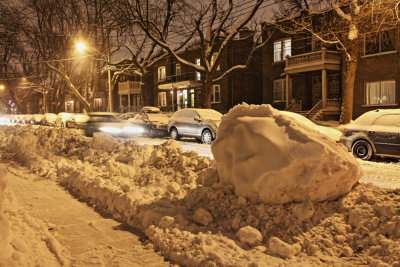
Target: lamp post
[(82, 47)]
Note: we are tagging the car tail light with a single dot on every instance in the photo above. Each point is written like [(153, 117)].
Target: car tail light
[(344, 131)]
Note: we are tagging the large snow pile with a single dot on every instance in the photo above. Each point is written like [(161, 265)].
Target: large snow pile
[(193, 219), (272, 157), (4, 229)]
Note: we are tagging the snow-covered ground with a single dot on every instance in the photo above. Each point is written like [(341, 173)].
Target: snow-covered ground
[(177, 200)]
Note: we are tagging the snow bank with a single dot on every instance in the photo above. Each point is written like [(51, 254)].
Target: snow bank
[(177, 201), (4, 228), (272, 157)]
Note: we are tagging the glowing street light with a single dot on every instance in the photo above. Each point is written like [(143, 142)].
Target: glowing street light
[(2, 87), (81, 47)]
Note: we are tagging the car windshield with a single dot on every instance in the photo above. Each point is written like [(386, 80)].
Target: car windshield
[(209, 114), (154, 117), (105, 118)]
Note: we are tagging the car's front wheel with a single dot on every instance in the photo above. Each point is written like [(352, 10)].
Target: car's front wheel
[(362, 149), (174, 134), (206, 137)]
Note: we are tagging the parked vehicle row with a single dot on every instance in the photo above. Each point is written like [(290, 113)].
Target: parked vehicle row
[(375, 133)]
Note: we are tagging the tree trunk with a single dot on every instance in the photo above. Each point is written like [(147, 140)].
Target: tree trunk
[(206, 91), (349, 84)]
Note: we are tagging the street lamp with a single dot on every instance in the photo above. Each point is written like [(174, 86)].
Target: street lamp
[(82, 47), (2, 87)]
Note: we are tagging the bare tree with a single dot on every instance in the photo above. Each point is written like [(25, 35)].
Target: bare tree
[(52, 30), (340, 23), (214, 24)]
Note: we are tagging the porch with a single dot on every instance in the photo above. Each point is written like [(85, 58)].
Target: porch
[(316, 78)]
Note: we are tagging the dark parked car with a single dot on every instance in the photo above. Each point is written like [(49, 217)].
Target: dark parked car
[(151, 124), (375, 133), (191, 122)]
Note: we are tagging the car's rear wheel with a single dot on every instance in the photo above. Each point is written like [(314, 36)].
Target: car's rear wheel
[(362, 149), (206, 137), (174, 133)]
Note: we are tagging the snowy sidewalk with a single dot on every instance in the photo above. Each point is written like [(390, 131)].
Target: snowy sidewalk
[(90, 239)]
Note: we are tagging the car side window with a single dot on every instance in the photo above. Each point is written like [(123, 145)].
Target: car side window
[(387, 120)]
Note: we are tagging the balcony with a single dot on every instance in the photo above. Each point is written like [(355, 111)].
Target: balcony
[(190, 79), (319, 60)]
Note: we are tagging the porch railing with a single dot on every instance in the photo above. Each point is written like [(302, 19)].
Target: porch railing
[(295, 105), (323, 55), (314, 109), (333, 103)]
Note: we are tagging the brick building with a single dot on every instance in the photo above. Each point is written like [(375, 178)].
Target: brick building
[(301, 74), (176, 86)]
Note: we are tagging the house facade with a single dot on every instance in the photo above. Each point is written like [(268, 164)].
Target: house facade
[(301, 74), (177, 86)]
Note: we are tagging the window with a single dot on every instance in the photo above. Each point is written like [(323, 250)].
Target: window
[(178, 69), (380, 93), (216, 94), (213, 59), (316, 44), (162, 99), (162, 73), (97, 104), (280, 90), (282, 48), (380, 42), (198, 74)]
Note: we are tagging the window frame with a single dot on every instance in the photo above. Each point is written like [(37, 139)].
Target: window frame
[(197, 61), (162, 73), (213, 94), (380, 52), (366, 97), (178, 66), (282, 49), (162, 99)]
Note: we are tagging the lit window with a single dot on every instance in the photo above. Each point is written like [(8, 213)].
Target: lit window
[(216, 94), (162, 99), (280, 90), (380, 93), (162, 73), (282, 48), (178, 69), (198, 74)]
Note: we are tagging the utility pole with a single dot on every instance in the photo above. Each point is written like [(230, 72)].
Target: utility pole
[(110, 107)]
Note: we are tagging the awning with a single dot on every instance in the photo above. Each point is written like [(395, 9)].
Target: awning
[(169, 86)]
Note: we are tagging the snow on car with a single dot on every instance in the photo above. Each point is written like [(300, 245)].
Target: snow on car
[(375, 133)]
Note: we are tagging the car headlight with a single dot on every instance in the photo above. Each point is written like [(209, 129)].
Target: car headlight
[(111, 130), (133, 130)]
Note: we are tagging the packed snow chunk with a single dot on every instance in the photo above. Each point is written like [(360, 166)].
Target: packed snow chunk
[(274, 158), (249, 235), (166, 222), (104, 142), (280, 248), (202, 216)]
